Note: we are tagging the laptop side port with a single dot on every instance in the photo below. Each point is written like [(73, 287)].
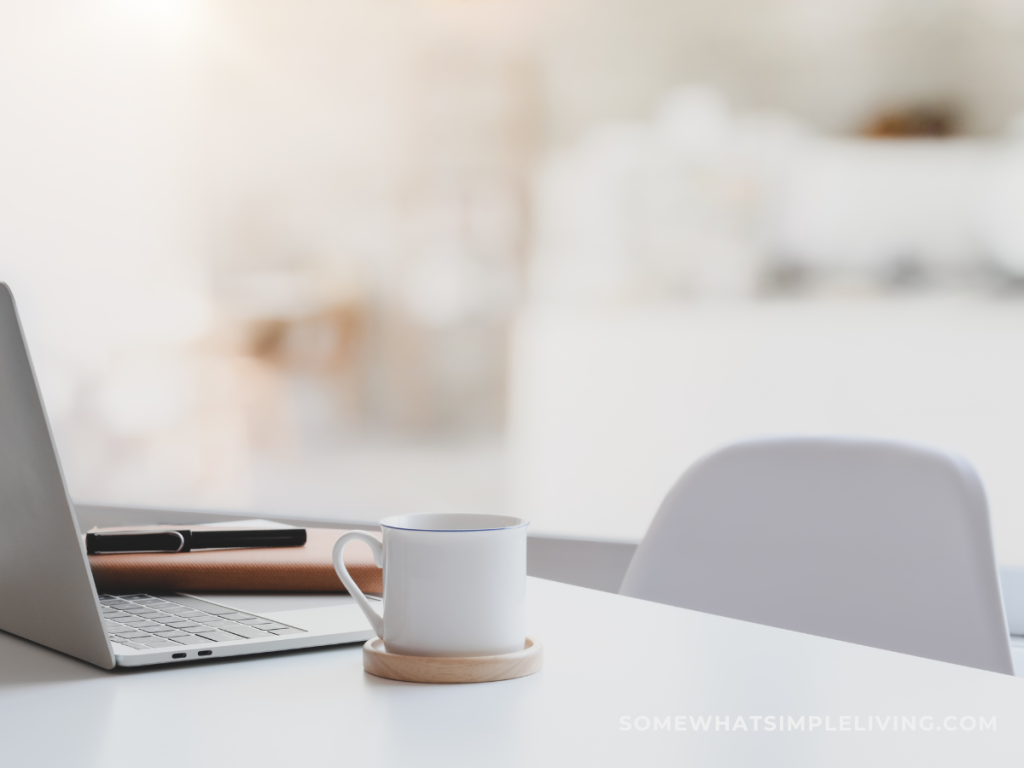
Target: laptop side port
[(177, 655), (206, 653)]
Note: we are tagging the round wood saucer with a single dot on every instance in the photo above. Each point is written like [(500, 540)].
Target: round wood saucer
[(466, 669)]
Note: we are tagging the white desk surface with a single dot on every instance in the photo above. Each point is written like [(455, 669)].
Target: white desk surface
[(606, 657)]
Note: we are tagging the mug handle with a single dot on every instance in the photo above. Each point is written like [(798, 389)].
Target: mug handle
[(375, 619)]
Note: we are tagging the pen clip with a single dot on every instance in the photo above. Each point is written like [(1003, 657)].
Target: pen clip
[(181, 542)]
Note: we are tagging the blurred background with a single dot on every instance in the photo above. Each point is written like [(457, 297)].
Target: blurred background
[(359, 258)]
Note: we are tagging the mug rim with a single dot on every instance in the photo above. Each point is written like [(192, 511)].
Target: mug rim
[(409, 522)]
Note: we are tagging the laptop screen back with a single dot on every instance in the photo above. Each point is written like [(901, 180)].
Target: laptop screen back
[(46, 589)]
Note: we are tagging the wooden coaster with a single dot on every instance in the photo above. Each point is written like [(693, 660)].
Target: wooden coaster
[(467, 669)]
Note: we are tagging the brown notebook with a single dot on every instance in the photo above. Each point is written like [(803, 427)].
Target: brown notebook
[(279, 569)]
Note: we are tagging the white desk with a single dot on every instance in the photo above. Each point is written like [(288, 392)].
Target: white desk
[(606, 656)]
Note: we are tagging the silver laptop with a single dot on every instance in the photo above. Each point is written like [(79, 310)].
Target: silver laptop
[(47, 593)]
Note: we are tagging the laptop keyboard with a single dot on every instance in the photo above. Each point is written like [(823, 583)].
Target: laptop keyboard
[(147, 621)]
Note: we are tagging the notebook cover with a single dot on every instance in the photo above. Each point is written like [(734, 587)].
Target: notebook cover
[(279, 569)]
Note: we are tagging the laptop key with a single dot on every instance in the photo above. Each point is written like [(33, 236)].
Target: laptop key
[(170, 633), (191, 640), (159, 643), (285, 631), (193, 628), (129, 643), (245, 631), (133, 635), (270, 625), (217, 610), (177, 610), (217, 636), (195, 604), (116, 615)]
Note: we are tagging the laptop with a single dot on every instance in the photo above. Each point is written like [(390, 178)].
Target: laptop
[(47, 594)]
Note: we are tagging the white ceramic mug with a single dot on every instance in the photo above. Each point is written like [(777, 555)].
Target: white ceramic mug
[(454, 585)]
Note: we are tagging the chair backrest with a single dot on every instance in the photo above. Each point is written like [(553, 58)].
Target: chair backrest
[(873, 542)]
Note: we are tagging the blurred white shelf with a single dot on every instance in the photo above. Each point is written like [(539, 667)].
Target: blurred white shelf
[(609, 406)]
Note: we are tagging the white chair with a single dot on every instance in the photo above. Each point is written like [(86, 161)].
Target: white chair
[(873, 542)]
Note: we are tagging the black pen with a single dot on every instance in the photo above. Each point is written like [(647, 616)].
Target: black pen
[(173, 540)]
